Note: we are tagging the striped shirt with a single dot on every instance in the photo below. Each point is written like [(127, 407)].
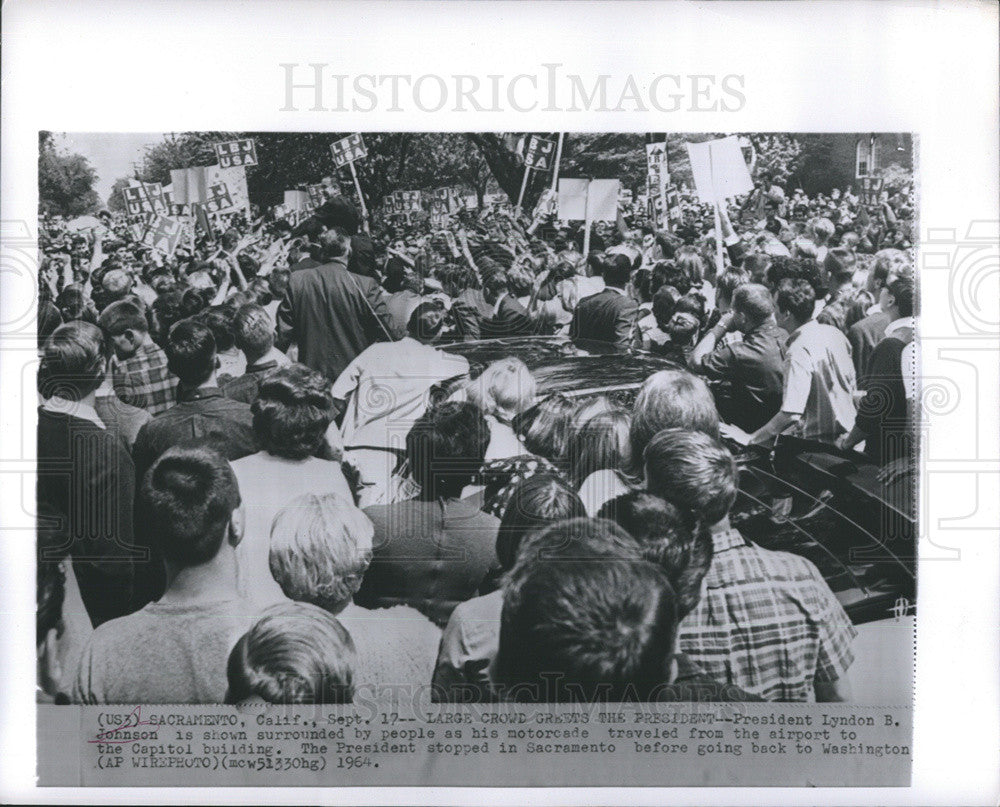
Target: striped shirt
[(767, 622), (819, 381), (143, 379)]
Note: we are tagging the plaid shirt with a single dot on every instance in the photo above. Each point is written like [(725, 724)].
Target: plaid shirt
[(143, 380), (767, 622)]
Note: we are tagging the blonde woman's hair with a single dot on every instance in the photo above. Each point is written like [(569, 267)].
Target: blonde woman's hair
[(504, 389), (321, 546)]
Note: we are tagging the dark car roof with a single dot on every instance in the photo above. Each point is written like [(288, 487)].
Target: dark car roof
[(561, 365)]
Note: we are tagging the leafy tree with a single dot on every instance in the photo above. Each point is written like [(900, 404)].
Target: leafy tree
[(116, 204), (65, 180)]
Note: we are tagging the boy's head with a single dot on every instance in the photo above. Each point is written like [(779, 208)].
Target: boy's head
[(191, 352), (692, 471), (191, 505), (297, 653)]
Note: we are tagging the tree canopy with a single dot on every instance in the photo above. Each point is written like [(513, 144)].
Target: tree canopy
[(65, 180)]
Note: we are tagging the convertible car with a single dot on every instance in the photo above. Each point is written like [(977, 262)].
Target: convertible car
[(804, 497)]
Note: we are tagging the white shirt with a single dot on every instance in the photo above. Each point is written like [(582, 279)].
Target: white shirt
[(387, 389), (267, 483)]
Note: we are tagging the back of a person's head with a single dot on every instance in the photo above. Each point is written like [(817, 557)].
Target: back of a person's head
[(729, 281), (395, 274), (333, 243), (671, 399), (191, 352), (187, 500), (73, 303), (669, 537), (692, 471), (72, 364), (504, 389), (548, 433), (495, 283), (293, 410), (754, 303), (277, 282), (691, 265), (219, 318), (664, 304), (600, 442), (253, 330), (426, 321), (115, 285), (519, 280), (902, 290), (796, 297), (296, 653), (320, 548), (535, 503), (586, 629), (887, 262), (617, 269), (445, 448), (840, 264)]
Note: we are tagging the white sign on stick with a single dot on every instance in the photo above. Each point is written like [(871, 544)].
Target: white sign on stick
[(719, 169)]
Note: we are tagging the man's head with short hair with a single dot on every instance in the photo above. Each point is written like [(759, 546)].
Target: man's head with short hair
[(293, 410), (839, 265), (753, 306), (668, 537), (253, 331), (126, 327), (321, 546), (191, 505), (692, 471), (296, 653), (617, 269), (795, 302), (671, 399), (728, 282), (585, 618), (191, 352), (898, 297), (73, 361)]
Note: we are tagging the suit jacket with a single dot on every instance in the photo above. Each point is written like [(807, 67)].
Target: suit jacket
[(863, 336), (511, 319), (606, 317), (332, 315)]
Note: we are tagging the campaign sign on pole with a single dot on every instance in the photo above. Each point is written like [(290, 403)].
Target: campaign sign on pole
[(154, 196), (236, 152), (719, 169), (219, 198), (411, 201), (316, 195), (871, 189), (593, 200), (135, 197), (348, 149), (540, 153), (163, 234)]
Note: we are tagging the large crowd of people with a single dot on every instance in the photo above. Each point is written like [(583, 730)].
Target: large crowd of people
[(262, 476)]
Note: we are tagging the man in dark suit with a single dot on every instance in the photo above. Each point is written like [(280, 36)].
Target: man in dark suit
[(865, 334), (510, 318), (610, 315), (331, 313)]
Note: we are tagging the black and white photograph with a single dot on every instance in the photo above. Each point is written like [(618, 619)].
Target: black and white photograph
[(439, 402), (476, 417)]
